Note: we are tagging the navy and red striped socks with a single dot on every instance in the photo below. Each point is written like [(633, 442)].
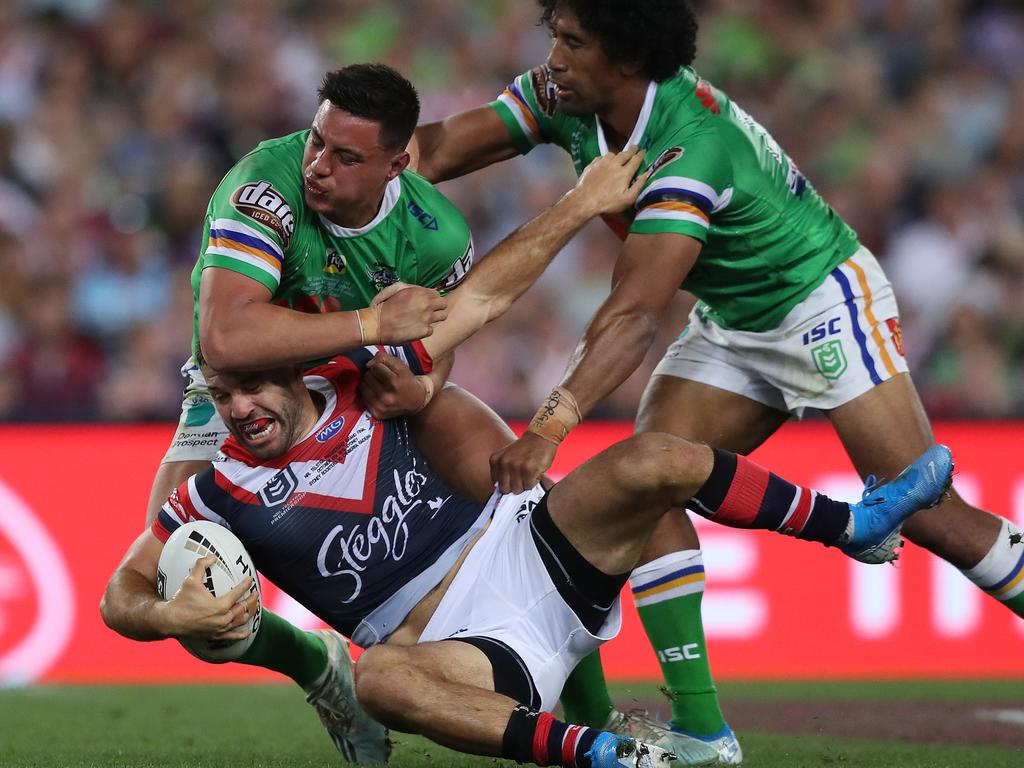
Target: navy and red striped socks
[(742, 494), (537, 737)]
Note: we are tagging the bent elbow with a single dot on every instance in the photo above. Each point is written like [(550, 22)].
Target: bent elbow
[(217, 350)]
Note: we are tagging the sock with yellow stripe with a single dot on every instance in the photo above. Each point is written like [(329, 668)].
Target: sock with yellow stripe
[(668, 593), (285, 648), (1001, 572)]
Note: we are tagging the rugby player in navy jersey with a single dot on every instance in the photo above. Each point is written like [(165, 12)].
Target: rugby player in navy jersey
[(474, 612)]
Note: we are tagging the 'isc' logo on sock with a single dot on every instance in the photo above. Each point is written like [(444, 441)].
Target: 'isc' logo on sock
[(688, 652)]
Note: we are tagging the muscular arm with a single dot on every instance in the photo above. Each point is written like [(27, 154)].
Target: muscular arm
[(457, 434), (130, 604), (517, 261), (460, 144), (132, 607), (240, 330), (645, 279)]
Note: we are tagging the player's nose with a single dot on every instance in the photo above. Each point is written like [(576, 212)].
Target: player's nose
[(555, 60)]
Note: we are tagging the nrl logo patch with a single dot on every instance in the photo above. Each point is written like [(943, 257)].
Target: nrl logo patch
[(265, 205), (829, 359), (279, 488), (666, 157), (544, 89)]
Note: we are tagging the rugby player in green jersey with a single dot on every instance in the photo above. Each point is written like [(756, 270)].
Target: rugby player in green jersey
[(308, 224), (300, 237), (793, 312)]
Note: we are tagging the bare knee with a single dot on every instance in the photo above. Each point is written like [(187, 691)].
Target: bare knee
[(663, 463), (382, 684)]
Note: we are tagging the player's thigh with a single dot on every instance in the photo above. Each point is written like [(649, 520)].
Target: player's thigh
[(707, 414), (394, 682), (702, 413), (883, 431), (608, 506)]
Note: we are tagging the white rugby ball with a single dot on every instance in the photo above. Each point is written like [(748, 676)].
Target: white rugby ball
[(191, 542)]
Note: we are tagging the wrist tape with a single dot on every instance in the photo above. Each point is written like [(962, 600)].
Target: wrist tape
[(556, 417), (369, 325)]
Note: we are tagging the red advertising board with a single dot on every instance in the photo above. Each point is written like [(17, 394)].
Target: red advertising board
[(72, 499)]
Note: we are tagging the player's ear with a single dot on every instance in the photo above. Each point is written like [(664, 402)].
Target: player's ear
[(398, 164), (631, 69)]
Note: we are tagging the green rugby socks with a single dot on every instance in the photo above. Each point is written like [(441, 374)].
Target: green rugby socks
[(285, 648)]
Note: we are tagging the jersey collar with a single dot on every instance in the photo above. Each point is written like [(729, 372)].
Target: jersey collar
[(641, 121), (392, 192)]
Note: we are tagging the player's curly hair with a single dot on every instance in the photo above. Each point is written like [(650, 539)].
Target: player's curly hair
[(375, 92), (659, 35)]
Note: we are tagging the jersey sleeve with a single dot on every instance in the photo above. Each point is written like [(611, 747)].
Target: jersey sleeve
[(442, 239), (527, 108), (250, 219), (414, 355), (690, 184), (185, 504)]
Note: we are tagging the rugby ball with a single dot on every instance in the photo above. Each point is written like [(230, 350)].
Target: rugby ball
[(194, 541)]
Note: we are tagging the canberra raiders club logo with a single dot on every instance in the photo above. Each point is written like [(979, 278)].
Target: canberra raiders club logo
[(382, 275)]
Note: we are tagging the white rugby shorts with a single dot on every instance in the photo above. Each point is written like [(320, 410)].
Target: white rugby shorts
[(503, 592), (201, 432), (832, 347)]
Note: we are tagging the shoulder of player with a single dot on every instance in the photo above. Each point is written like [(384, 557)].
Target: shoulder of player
[(429, 218), (277, 162), (265, 187)]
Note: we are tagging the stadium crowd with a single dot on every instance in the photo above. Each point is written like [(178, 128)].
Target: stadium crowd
[(117, 120)]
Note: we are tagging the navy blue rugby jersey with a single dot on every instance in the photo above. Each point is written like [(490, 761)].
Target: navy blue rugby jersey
[(351, 521)]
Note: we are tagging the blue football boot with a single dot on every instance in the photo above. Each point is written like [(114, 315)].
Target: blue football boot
[(877, 519)]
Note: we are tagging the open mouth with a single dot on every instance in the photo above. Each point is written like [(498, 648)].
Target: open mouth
[(257, 430)]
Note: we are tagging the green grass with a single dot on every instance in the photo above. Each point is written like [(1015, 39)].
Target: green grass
[(234, 726)]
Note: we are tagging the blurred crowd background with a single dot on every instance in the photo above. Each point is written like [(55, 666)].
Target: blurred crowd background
[(117, 120)]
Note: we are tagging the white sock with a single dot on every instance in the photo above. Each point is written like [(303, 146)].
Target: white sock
[(1001, 572)]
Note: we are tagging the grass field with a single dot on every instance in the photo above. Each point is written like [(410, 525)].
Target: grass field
[(234, 726)]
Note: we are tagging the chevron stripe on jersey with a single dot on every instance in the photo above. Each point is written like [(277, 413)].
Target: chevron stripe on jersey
[(246, 244), (350, 522), (514, 98), (682, 199)]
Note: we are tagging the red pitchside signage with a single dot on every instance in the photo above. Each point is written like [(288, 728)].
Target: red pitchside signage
[(73, 497)]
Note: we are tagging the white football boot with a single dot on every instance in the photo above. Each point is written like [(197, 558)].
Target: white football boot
[(358, 737), (688, 751)]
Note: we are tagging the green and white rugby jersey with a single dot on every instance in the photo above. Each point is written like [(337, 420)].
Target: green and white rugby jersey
[(769, 239), (258, 224)]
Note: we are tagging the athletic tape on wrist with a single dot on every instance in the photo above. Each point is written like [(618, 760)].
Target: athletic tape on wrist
[(556, 417), (428, 386), (369, 325)]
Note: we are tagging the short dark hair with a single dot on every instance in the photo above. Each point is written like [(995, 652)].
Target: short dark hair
[(659, 35), (375, 92)]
